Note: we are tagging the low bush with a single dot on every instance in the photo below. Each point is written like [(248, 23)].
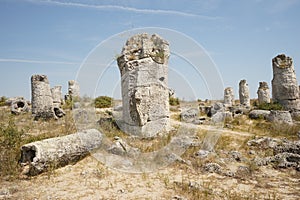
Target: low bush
[(103, 102), (10, 143), (174, 101), (270, 106), (2, 101)]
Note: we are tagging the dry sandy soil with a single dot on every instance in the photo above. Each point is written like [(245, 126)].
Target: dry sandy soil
[(183, 179)]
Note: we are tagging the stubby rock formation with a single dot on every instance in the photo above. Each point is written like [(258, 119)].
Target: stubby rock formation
[(73, 90), (244, 94), (143, 66), (41, 100), (263, 93), (45, 101), (285, 88), (56, 95), (18, 105), (228, 97)]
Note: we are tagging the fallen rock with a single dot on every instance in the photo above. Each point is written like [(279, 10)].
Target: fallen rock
[(279, 116), (215, 108), (259, 114), (19, 105), (220, 117), (212, 167), (59, 151), (189, 115)]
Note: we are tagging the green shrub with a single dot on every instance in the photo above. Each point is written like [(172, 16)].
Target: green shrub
[(174, 101), (103, 102), (270, 106), (2, 101), (10, 143)]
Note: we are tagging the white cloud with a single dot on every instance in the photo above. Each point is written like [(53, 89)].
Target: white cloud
[(36, 61), (125, 8)]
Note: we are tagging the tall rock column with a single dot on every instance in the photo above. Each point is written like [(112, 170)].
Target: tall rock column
[(285, 88), (228, 96), (143, 66), (263, 93), (244, 94), (74, 89), (56, 95), (41, 100)]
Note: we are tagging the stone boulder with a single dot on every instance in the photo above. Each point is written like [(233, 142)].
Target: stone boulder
[(220, 117), (278, 116), (18, 105), (259, 114), (189, 115), (215, 108)]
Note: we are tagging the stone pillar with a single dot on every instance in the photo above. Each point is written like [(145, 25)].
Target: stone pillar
[(285, 88), (56, 95), (228, 97), (74, 89), (244, 93), (143, 66), (41, 97), (263, 93)]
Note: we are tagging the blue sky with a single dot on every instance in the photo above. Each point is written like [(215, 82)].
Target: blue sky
[(54, 37)]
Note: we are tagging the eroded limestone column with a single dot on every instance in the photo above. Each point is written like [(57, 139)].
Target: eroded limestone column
[(285, 88), (56, 95), (228, 96), (41, 97), (145, 95), (74, 89), (244, 94), (263, 93)]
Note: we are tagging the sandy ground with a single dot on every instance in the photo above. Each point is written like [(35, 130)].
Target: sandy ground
[(90, 179)]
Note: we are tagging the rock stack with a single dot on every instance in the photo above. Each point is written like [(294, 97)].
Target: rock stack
[(228, 97), (41, 97), (263, 93), (143, 65), (244, 93), (285, 88)]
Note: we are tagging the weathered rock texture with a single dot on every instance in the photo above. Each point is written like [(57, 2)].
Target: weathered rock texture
[(19, 105), (228, 96), (41, 100), (286, 152), (56, 152), (56, 95), (263, 93), (280, 116), (73, 90), (144, 72), (57, 101), (259, 114), (244, 94), (285, 88), (189, 115)]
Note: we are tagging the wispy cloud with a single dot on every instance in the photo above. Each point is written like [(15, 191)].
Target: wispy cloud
[(125, 8), (36, 61)]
